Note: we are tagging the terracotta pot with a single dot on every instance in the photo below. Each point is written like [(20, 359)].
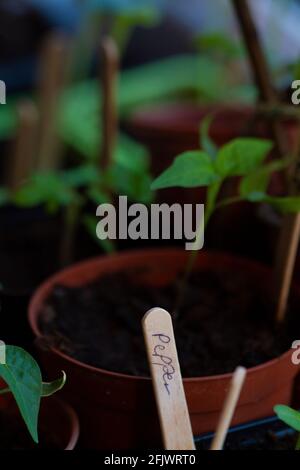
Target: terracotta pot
[(117, 410), (56, 418)]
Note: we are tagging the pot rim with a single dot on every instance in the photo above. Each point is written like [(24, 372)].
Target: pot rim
[(43, 291), (74, 423), (161, 117)]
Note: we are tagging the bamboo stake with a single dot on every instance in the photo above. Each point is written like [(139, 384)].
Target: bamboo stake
[(290, 229), (53, 67), (109, 81), (259, 65), (167, 381), (24, 147), (230, 404)]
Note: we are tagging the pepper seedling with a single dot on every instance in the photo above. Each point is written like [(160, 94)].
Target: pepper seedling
[(23, 378), (291, 418), (210, 167), (71, 190)]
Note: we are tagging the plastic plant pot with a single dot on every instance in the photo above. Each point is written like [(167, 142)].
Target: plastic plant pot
[(107, 401)]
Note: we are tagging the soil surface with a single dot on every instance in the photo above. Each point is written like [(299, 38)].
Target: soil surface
[(258, 440), (14, 435), (225, 321)]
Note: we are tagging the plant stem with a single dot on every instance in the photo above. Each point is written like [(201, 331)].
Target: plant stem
[(212, 195), (70, 223), (228, 201), (4, 391)]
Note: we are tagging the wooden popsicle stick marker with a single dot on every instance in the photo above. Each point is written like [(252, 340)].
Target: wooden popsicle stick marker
[(109, 83), (231, 401), (21, 162), (52, 77), (167, 381), (290, 230)]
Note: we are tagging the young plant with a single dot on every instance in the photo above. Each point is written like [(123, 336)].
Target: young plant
[(291, 418), (210, 167), (23, 378), (120, 16), (72, 191), (223, 75)]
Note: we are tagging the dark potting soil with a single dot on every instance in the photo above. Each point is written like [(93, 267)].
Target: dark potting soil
[(259, 440), (225, 321), (14, 435)]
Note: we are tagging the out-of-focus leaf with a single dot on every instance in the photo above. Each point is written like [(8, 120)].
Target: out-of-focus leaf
[(206, 142), (4, 196), (90, 222), (220, 44), (81, 176), (253, 186)]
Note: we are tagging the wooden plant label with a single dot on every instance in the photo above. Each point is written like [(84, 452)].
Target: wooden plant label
[(167, 381)]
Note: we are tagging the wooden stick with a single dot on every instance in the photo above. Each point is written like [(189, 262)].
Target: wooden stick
[(285, 262), (21, 161), (109, 80), (53, 67), (167, 382), (259, 65), (290, 232), (230, 404)]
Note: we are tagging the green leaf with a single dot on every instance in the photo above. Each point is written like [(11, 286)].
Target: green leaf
[(220, 43), (81, 176), (189, 170), (241, 156), (49, 388), (288, 204), (90, 222), (97, 195), (253, 186), (288, 416), (4, 196), (206, 142), (23, 376), (45, 188)]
